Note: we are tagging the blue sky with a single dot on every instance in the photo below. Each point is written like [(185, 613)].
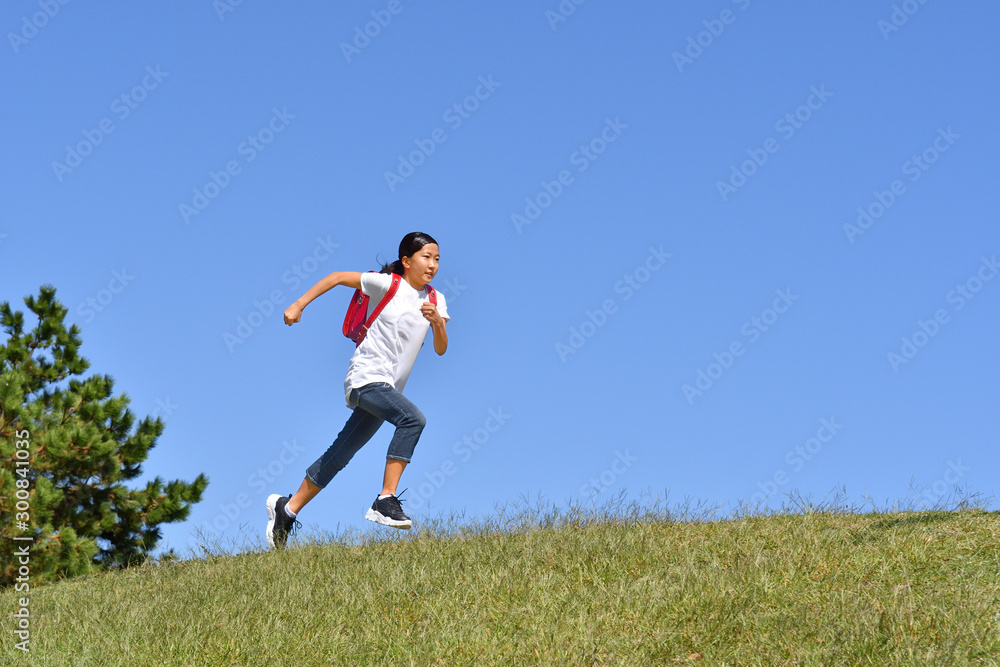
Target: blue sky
[(724, 250)]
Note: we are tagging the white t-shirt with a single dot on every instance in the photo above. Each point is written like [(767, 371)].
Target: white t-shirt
[(389, 349)]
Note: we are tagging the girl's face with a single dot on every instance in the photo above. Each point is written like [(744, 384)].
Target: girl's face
[(422, 266)]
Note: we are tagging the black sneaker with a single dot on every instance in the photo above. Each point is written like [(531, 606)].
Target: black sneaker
[(279, 524), (388, 512)]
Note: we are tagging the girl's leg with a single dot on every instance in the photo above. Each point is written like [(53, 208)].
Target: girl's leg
[(358, 430), (390, 480), (383, 401), (307, 491)]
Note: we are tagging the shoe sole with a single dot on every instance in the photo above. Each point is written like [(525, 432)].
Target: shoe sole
[(271, 515), (378, 517)]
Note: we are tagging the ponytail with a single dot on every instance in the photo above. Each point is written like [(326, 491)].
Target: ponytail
[(393, 267)]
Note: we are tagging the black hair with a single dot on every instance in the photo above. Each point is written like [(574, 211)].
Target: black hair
[(409, 246)]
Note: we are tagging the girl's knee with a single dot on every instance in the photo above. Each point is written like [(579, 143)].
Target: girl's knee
[(418, 420)]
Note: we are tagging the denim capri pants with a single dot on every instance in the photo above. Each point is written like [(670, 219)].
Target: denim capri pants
[(374, 403)]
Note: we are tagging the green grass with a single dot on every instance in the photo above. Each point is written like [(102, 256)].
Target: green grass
[(618, 588)]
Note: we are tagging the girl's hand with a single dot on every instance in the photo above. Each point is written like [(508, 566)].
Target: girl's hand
[(293, 314), (431, 314)]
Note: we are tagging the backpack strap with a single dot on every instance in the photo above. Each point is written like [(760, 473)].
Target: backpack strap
[(385, 300)]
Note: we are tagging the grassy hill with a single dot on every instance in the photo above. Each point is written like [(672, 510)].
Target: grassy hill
[(815, 588)]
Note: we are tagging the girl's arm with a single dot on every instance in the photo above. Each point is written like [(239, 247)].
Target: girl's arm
[(438, 325), (350, 278)]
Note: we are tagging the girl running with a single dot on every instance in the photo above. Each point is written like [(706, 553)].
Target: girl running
[(376, 375)]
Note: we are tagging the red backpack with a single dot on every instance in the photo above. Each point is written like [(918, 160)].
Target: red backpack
[(356, 326)]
